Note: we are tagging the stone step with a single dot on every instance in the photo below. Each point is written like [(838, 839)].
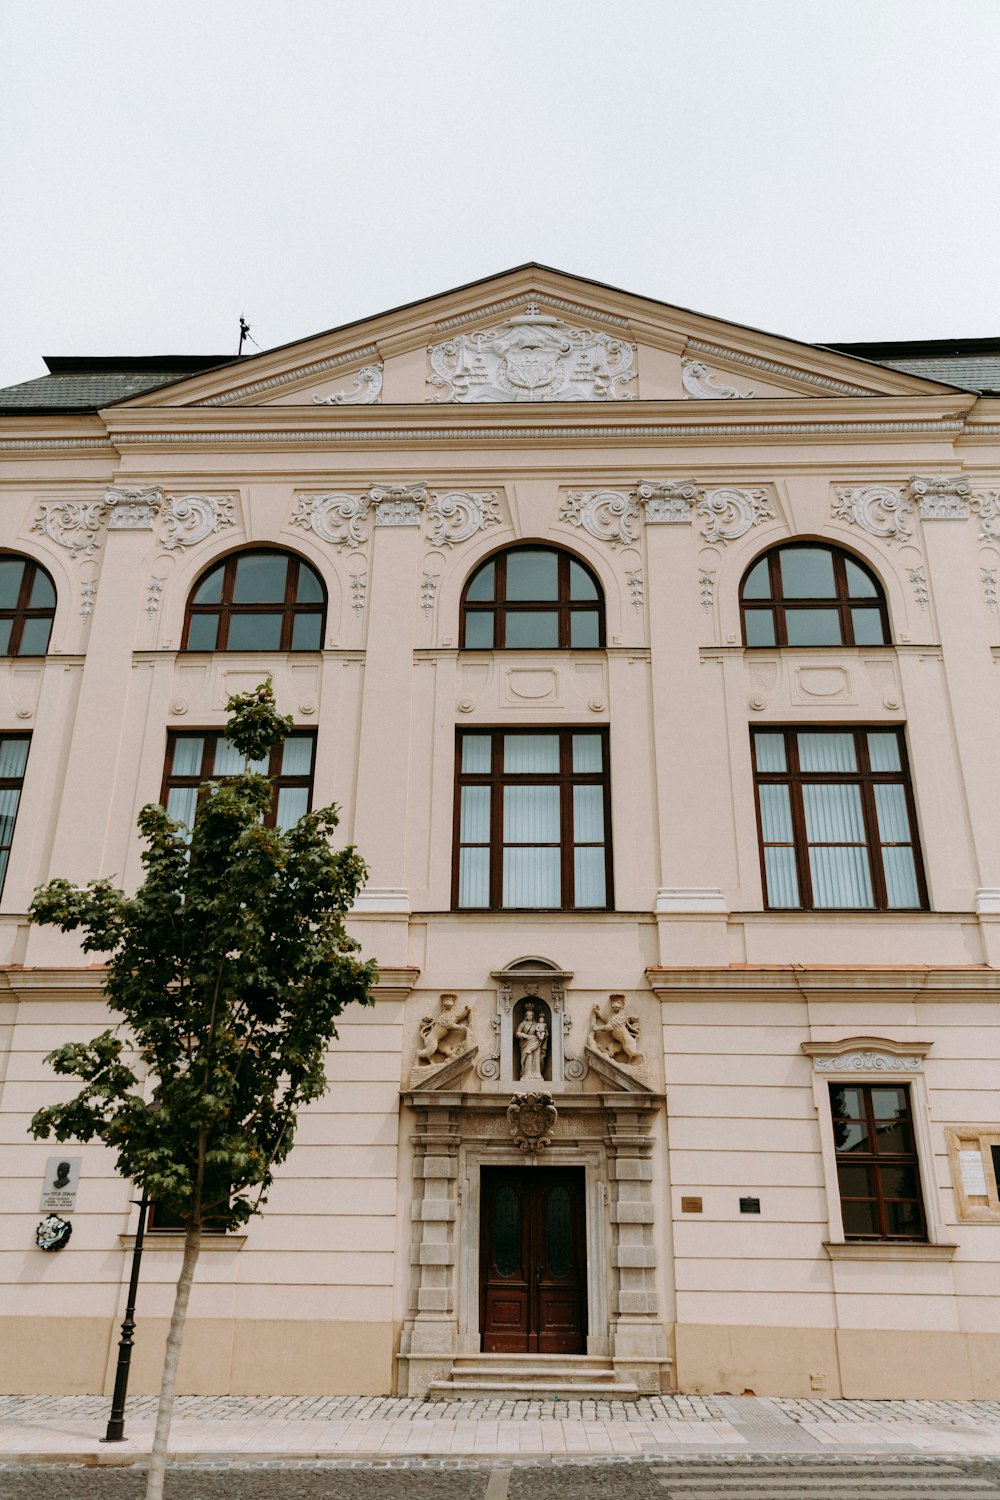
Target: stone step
[(520, 1372), (540, 1388)]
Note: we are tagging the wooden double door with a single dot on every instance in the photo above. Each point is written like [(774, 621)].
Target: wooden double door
[(533, 1276)]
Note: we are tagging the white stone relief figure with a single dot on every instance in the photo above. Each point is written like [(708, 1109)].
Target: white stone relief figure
[(532, 1039), (616, 1033), (445, 1035)]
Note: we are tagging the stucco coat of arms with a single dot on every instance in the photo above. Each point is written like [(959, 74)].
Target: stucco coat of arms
[(533, 357)]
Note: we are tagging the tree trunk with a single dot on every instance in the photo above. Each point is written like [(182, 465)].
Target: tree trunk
[(168, 1384)]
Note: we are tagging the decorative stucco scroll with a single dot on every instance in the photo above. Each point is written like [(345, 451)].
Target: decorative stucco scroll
[(608, 515), (456, 515), (987, 508), (366, 390), (868, 1062), (189, 519), (881, 511), (667, 502), (704, 385), (730, 513), (337, 517), (532, 357), (73, 524), (941, 499)]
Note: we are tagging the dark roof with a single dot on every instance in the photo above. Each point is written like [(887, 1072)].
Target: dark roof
[(970, 364), (86, 383)]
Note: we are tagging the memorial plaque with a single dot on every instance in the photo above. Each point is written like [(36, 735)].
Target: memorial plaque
[(62, 1177), (690, 1205), (749, 1205), (973, 1174)]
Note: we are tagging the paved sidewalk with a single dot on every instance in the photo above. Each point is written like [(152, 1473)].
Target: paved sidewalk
[(304, 1429)]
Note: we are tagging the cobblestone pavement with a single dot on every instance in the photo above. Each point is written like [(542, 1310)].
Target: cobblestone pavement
[(831, 1476)]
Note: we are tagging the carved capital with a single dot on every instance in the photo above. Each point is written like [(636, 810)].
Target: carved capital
[(669, 501), (940, 499), (132, 509), (398, 504)]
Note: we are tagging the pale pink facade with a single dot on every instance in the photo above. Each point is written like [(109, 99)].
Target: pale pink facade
[(665, 451)]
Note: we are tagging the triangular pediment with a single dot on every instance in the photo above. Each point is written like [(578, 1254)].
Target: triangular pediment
[(532, 336)]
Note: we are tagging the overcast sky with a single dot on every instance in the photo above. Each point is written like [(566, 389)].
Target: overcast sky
[(824, 170)]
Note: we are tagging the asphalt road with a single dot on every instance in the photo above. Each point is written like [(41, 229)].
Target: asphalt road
[(760, 1477)]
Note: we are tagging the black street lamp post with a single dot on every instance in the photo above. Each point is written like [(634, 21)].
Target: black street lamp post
[(116, 1422)]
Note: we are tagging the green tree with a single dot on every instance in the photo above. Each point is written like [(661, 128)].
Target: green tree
[(228, 968)]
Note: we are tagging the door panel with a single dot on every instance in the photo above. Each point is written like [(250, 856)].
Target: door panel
[(533, 1260)]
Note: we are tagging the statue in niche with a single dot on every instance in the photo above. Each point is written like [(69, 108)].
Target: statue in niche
[(616, 1034), (532, 1039), (435, 1031)]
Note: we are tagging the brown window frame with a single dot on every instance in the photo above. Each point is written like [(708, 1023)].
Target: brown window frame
[(864, 777), (12, 784), (565, 778), (211, 738), (225, 609), (162, 1220), (875, 1160), (842, 602), (500, 607), (21, 612)]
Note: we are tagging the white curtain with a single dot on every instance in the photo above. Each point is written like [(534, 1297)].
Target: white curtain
[(296, 755), (782, 876), (827, 752), (527, 753), (883, 752), (840, 875), (13, 757), (293, 803), (476, 754), (229, 761), (531, 877), (770, 752), (588, 877), (181, 804), (586, 752), (474, 877), (894, 829)]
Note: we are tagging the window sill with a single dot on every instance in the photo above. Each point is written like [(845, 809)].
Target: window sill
[(165, 1239), (888, 1250)]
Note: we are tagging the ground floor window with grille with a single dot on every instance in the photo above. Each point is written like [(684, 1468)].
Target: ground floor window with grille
[(193, 759), (877, 1167), (13, 759), (836, 820), (532, 820)]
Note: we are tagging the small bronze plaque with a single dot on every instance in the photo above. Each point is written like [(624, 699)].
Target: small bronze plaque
[(749, 1205), (690, 1205)]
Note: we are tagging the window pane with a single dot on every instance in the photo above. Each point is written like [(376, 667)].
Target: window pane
[(850, 1135), (589, 878), (181, 804), (293, 803), (11, 573), (855, 1180), (807, 573), (900, 871), (775, 813), (531, 814), (840, 876), (890, 1103), (584, 628), (904, 1219), (770, 750), (35, 637), (859, 585), (530, 752), (859, 1220), (587, 752), (210, 589), (260, 578), (188, 752), (3, 866), (813, 627), (5, 629), (867, 625), (229, 761), (474, 824), (476, 754), (588, 814), (827, 752), (532, 575), (203, 632), (883, 752), (8, 812), (308, 590), (306, 632), (758, 584), (893, 817), (581, 585), (254, 633), (531, 877), (43, 595), (760, 627), (782, 877), (894, 1137), (296, 755), (833, 813), (534, 629), (846, 1101), (13, 757), (474, 877), (479, 630), (481, 587)]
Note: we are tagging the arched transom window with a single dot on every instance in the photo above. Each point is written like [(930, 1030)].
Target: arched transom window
[(532, 598), (808, 594), (256, 601), (27, 605)]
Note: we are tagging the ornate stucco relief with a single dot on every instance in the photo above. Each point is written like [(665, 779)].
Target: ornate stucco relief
[(608, 515), (335, 517), (76, 525), (730, 513), (868, 1062), (132, 509), (704, 385), (532, 356), (987, 508), (615, 1033), (366, 390), (444, 1036), (918, 581), (668, 502), (456, 515), (883, 512), (940, 499), (398, 504), (189, 519)]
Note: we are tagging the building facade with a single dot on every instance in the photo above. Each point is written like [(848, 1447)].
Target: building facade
[(653, 662)]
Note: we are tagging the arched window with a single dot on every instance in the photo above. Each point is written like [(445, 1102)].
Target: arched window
[(27, 605), (809, 594), (256, 601), (532, 598)]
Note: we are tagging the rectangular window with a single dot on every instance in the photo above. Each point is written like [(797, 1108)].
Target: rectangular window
[(160, 1218), (193, 759), (877, 1165), (836, 820), (532, 820), (13, 759)]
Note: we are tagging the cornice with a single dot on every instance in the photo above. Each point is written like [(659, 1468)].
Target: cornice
[(865, 1044), (289, 377), (782, 371), (810, 984), (516, 304)]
